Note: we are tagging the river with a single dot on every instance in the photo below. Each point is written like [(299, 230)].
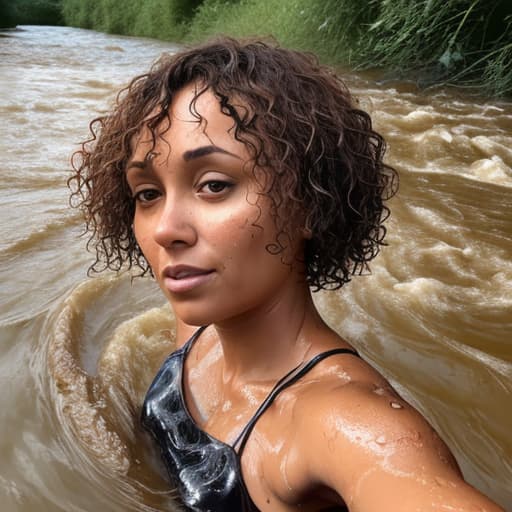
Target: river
[(77, 353)]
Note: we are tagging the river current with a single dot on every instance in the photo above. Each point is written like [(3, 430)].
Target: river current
[(77, 353)]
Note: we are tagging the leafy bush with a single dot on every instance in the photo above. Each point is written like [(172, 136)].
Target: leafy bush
[(466, 42), (162, 19), (30, 12)]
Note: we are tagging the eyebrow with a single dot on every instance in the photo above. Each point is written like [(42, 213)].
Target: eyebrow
[(187, 156), (139, 164), (205, 151)]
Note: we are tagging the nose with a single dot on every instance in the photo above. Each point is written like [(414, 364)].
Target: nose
[(175, 225)]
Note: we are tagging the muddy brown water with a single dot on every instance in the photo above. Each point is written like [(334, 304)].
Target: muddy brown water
[(76, 354)]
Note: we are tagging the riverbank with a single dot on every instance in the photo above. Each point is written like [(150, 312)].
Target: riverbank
[(467, 43)]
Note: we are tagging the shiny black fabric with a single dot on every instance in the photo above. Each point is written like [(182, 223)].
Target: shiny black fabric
[(205, 471)]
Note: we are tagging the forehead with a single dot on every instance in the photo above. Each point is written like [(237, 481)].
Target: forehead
[(194, 117), (193, 100)]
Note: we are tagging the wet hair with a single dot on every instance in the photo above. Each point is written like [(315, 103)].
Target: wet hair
[(313, 149)]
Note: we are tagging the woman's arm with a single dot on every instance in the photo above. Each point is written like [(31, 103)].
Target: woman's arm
[(381, 455)]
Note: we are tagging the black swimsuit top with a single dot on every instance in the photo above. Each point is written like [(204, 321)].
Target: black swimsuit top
[(205, 471)]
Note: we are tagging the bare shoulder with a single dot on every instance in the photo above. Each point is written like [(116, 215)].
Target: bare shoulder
[(355, 403), (376, 450)]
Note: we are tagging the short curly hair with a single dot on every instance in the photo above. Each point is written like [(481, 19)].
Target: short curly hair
[(317, 151)]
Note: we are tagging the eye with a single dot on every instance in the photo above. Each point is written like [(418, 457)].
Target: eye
[(214, 187), (146, 196)]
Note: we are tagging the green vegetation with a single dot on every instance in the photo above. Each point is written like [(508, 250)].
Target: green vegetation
[(30, 12), (330, 28), (161, 19), (468, 42), (463, 42)]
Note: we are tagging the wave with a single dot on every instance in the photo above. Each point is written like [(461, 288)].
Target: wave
[(40, 234), (96, 415)]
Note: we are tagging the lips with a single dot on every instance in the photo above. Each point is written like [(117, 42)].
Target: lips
[(183, 278)]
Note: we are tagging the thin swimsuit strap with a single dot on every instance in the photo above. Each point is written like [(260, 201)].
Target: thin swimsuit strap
[(290, 378), (284, 382), (188, 345)]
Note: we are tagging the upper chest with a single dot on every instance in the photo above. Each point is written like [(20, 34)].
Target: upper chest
[(275, 467)]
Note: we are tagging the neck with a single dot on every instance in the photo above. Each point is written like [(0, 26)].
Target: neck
[(265, 343)]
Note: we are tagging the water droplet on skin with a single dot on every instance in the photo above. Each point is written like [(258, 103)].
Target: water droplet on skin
[(440, 481), (396, 405), (442, 457), (381, 440), (379, 391), (443, 483)]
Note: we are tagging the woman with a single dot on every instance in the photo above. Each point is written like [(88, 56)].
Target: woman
[(242, 177)]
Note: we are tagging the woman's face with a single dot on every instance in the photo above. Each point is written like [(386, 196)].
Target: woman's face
[(201, 220)]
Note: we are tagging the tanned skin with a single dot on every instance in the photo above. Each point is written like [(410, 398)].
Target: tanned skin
[(341, 434)]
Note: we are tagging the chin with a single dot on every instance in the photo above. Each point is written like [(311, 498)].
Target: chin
[(194, 316)]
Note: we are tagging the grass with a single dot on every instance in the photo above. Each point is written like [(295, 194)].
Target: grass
[(465, 42), (461, 42), (161, 19), (330, 28)]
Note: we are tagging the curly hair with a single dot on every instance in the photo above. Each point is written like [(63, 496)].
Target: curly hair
[(317, 151)]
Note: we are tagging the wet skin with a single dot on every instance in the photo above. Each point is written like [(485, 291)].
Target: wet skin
[(341, 434)]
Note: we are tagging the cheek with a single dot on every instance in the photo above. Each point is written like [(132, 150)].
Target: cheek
[(246, 258), (237, 227), (250, 234), (144, 240)]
